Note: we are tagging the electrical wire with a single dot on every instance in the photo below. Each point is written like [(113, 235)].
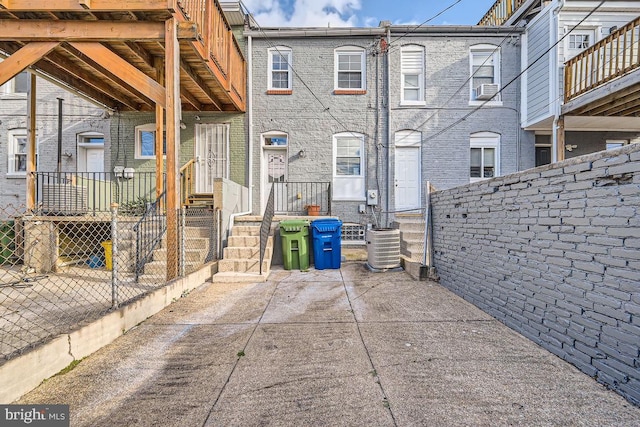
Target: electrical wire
[(457, 122)]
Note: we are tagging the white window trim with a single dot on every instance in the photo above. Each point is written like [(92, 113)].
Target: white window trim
[(80, 157), (271, 134), (591, 31), (622, 142), (497, 73), (421, 85), (354, 180), (11, 152), (149, 127), (284, 51), (9, 88), (350, 50), (486, 140)]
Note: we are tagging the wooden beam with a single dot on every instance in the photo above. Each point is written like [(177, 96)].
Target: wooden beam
[(96, 5), (187, 31), (560, 140), (86, 4), (23, 58), (141, 53), (123, 70), (31, 141), (37, 29), (159, 131), (188, 72), (172, 108)]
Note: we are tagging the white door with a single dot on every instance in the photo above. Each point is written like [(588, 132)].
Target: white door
[(95, 159), (407, 172), (211, 150), (275, 173)]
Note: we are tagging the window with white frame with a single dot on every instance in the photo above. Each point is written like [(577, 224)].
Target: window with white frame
[(17, 152), (612, 144), (484, 156), (485, 73), (348, 166), (18, 84), (280, 75), (350, 69), (146, 142), (578, 40), (412, 64)]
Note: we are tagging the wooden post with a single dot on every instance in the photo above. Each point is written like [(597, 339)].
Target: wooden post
[(560, 140), (31, 141), (172, 86), (158, 64)]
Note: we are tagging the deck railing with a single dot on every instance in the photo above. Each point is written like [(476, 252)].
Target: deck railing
[(187, 181), (500, 12), (219, 41), (611, 57), (89, 193), (298, 197)]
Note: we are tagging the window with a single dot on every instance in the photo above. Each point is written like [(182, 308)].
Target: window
[(16, 85), (579, 41), (146, 142), (348, 170), (412, 59), (90, 156), (280, 76), (485, 73), (484, 157), (275, 140), (350, 70), (17, 152), (612, 144)]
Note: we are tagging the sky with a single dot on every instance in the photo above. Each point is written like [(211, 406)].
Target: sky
[(365, 13)]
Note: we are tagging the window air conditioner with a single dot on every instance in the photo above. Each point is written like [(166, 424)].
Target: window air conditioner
[(487, 91)]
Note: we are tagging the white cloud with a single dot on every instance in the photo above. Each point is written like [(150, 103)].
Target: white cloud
[(305, 13)]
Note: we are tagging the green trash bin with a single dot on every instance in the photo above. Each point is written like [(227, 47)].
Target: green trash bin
[(7, 237), (295, 244)]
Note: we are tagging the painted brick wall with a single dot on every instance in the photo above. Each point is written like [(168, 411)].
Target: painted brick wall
[(78, 116), (123, 137), (554, 253)]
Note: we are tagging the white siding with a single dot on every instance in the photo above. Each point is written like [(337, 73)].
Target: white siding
[(538, 78)]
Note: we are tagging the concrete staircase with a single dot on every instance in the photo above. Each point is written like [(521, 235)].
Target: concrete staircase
[(241, 258), (411, 235), (196, 254)]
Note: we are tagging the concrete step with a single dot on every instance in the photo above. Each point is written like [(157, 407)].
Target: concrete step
[(409, 225), (244, 241), (195, 232), (231, 277), (156, 268), (412, 236), (246, 253), (245, 230), (242, 265)]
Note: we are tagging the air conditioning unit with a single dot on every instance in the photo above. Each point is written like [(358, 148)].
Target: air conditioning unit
[(487, 91)]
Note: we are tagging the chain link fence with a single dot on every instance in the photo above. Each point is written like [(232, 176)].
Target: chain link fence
[(58, 273)]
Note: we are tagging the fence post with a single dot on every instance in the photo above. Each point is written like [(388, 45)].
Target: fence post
[(183, 240), (426, 257), (114, 255)]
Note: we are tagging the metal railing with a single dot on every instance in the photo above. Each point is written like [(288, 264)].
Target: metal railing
[(150, 230), (500, 12), (265, 226), (187, 181), (301, 197), (610, 58), (219, 42), (90, 193)]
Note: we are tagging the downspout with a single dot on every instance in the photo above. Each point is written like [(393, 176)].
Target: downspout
[(388, 107), (250, 131)]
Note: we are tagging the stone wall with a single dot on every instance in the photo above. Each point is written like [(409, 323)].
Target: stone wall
[(554, 253)]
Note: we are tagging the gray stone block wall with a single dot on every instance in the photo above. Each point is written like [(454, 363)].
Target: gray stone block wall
[(554, 253)]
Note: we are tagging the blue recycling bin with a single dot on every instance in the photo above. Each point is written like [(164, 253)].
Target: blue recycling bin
[(326, 235)]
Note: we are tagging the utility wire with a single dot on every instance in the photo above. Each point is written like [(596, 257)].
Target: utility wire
[(454, 124)]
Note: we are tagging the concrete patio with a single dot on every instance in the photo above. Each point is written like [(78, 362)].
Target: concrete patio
[(328, 347)]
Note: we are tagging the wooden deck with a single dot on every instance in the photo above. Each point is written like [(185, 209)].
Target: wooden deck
[(113, 51)]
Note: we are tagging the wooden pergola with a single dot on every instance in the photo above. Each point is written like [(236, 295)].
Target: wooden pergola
[(128, 55)]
